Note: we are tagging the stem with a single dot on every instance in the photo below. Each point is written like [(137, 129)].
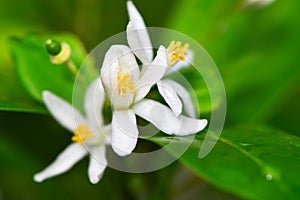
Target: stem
[(72, 67)]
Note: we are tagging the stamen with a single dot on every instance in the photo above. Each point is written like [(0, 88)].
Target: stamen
[(177, 51), (60, 53), (81, 134), (124, 82)]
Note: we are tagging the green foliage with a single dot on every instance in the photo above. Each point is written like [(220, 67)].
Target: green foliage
[(17, 167), (255, 162), (36, 71), (13, 97), (255, 50)]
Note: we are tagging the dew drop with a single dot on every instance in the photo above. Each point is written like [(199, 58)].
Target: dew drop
[(294, 143), (269, 177)]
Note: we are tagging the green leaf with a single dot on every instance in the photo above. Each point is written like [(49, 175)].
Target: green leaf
[(255, 162), (14, 98), (256, 50), (35, 70)]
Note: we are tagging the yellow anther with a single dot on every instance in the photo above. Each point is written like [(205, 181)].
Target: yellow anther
[(177, 51), (124, 82), (81, 134)]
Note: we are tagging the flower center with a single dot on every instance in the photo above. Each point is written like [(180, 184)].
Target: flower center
[(81, 134), (124, 82), (177, 51)]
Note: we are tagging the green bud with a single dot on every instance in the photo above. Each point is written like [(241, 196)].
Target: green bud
[(53, 47)]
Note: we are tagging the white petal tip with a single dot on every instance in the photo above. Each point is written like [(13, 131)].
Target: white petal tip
[(48, 96), (129, 25), (120, 152), (177, 112), (177, 109), (46, 93), (38, 178), (162, 48), (129, 3), (94, 180), (202, 124)]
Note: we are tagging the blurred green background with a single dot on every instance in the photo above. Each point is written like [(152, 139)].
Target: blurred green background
[(256, 50)]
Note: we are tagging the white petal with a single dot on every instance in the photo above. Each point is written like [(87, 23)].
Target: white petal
[(94, 99), (62, 111), (185, 97), (152, 75), (107, 132), (137, 35), (165, 120), (70, 156), (119, 60), (97, 164), (100, 134), (135, 16), (182, 64), (124, 132), (170, 96), (139, 42), (109, 72)]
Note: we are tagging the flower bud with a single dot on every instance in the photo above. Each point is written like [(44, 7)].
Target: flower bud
[(53, 47)]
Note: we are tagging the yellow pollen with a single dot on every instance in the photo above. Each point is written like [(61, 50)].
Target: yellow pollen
[(124, 82), (177, 51), (81, 134)]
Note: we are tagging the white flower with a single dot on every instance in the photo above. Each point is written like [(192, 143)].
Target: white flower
[(127, 88), (88, 130), (178, 56)]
